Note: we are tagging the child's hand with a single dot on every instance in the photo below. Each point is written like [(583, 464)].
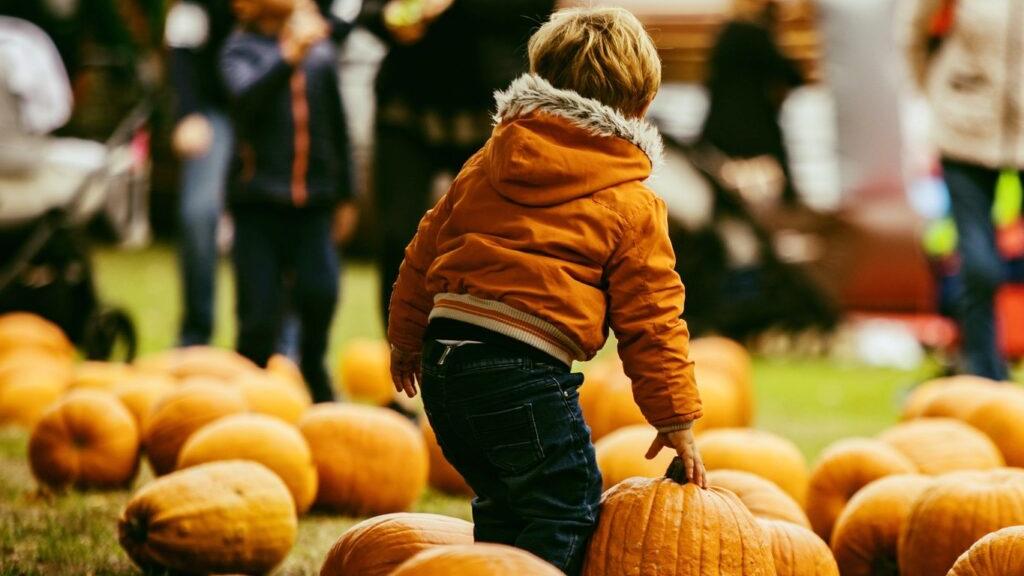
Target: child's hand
[(192, 137), (682, 442), (303, 29), (405, 371), (346, 220)]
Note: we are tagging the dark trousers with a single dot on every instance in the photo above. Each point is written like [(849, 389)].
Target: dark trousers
[(972, 191), (512, 426), (406, 167), (277, 247)]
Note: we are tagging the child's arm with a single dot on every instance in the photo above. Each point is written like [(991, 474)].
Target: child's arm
[(252, 72)]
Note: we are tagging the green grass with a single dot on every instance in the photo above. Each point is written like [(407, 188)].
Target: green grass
[(813, 402)]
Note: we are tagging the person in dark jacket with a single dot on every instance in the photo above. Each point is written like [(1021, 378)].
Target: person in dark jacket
[(748, 80), (434, 97), (294, 178)]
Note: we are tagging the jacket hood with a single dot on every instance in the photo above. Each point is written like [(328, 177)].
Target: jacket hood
[(551, 146)]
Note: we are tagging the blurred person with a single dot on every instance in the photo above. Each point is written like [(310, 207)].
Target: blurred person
[(547, 238), (291, 200), (967, 57), (748, 81), (434, 95)]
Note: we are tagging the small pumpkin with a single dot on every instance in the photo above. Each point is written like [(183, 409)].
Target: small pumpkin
[(1001, 418), (950, 397), (19, 361), (475, 560), (377, 546), (728, 356), (365, 371), (23, 330), (844, 468), (96, 375), (219, 518), (259, 438), (666, 527), (28, 394), (282, 367), (272, 396), (606, 399), (141, 393), (179, 414), (721, 401), (87, 440), (369, 460), (797, 551), (866, 536), (953, 513), (1001, 553), (763, 453), (762, 497), (443, 476), (621, 455), (198, 361), (939, 445)]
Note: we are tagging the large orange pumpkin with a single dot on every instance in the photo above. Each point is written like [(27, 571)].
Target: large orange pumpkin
[(375, 547), (179, 414), (939, 445), (141, 393), (443, 476), (475, 560), (369, 460), (87, 440), (606, 399), (1001, 553), (620, 455), (797, 551), (951, 397), (662, 526), (28, 393), (721, 354), (272, 396), (259, 438), (20, 330), (955, 512), (365, 371), (1001, 418), (104, 376), (762, 453), (198, 361), (762, 497), (220, 518), (844, 468), (866, 536)]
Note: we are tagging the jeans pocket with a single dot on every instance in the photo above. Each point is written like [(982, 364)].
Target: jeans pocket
[(509, 438)]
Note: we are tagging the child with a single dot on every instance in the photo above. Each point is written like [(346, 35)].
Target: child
[(546, 238), (291, 199)]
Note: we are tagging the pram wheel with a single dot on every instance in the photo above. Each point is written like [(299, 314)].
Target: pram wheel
[(109, 331)]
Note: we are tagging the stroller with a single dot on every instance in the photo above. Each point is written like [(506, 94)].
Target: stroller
[(51, 188)]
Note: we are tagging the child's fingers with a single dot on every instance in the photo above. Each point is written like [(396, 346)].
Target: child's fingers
[(656, 447), (688, 461)]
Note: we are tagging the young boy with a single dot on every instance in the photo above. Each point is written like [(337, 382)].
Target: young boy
[(546, 238), (291, 197)]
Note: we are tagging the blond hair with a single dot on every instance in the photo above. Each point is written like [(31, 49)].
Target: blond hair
[(601, 53)]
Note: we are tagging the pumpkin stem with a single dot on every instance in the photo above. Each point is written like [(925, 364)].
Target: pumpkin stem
[(677, 471), (136, 529)]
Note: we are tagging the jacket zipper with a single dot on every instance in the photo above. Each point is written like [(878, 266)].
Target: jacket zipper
[(1011, 110), (300, 118)]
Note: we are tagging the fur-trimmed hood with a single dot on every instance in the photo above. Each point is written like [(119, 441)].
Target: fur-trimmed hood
[(552, 145)]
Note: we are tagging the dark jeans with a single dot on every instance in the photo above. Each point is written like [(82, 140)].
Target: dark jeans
[(275, 245), (512, 426), (972, 191)]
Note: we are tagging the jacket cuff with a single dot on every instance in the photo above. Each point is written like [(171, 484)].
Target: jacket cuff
[(675, 427)]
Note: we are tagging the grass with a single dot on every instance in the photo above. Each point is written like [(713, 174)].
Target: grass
[(813, 402)]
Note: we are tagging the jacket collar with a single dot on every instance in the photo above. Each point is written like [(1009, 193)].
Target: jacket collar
[(530, 93)]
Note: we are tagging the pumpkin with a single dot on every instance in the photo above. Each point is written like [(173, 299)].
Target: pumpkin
[(475, 560), (141, 393), (282, 367), (920, 398), (938, 445), (844, 468), (179, 414), (762, 453), (29, 393), (762, 497), (20, 330), (442, 475), (376, 546), (100, 375), (219, 518), (1001, 553), (365, 370), (87, 440), (606, 399), (273, 397), (953, 397), (369, 460), (955, 512), (797, 551), (620, 455), (866, 535), (259, 438), (1001, 418), (721, 401), (19, 361), (204, 361), (663, 526), (724, 355)]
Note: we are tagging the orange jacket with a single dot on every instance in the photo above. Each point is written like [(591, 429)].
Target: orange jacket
[(549, 236)]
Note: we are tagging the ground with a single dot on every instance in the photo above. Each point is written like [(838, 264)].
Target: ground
[(813, 402)]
